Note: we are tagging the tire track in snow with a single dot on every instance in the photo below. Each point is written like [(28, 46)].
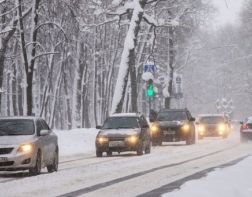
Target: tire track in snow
[(178, 183), (125, 178)]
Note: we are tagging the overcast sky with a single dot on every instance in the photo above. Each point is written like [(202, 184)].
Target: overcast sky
[(228, 11)]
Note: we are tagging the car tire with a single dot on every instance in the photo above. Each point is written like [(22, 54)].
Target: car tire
[(201, 137), (148, 149), (243, 139), (54, 166), (190, 139), (109, 153), (140, 149), (98, 153), (36, 170)]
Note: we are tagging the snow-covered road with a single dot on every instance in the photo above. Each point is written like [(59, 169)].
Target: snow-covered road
[(82, 174)]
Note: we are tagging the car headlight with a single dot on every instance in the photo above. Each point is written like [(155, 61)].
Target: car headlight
[(154, 128), (102, 139), (132, 139), (201, 129), (25, 148), (186, 127), (221, 128)]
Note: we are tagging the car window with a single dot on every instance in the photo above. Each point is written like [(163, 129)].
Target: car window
[(121, 122), (45, 125), (248, 120), (39, 126), (16, 127), (172, 116), (143, 121), (212, 119)]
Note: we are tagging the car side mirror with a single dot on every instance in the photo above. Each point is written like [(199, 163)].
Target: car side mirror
[(146, 126), (98, 127), (192, 119), (241, 122), (44, 132)]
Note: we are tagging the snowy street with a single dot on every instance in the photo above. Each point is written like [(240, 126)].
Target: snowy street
[(81, 173)]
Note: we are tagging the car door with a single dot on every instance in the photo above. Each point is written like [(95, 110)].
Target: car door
[(42, 141), (51, 141), (144, 130)]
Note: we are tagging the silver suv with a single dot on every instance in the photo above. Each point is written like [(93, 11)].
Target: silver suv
[(27, 143), (123, 132)]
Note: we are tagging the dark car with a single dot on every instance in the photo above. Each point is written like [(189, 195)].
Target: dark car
[(213, 125), (27, 143), (246, 130), (123, 132), (173, 125)]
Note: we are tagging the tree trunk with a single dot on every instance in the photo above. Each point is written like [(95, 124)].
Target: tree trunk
[(171, 73), (128, 61)]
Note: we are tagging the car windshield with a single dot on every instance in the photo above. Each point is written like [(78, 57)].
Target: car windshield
[(121, 122), (171, 116), (16, 127), (249, 120), (212, 119)]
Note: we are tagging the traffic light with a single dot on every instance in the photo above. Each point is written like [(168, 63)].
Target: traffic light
[(150, 88)]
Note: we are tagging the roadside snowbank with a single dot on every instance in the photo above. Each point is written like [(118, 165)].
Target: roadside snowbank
[(76, 142), (234, 181)]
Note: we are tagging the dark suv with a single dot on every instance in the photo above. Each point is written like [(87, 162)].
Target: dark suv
[(173, 125), (123, 132)]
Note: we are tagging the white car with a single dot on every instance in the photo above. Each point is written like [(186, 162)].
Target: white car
[(27, 143)]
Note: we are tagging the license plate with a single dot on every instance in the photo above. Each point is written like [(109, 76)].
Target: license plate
[(170, 132), (116, 144), (3, 159)]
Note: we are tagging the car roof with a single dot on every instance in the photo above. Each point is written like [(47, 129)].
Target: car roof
[(211, 115), (168, 110), (126, 115), (19, 118)]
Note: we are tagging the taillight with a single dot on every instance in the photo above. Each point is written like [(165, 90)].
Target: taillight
[(244, 126)]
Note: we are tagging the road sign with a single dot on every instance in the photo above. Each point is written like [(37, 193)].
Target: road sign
[(152, 68), (178, 86)]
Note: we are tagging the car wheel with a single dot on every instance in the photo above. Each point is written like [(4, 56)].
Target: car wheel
[(54, 166), (109, 153), (98, 153), (157, 141), (201, 137), (148, 149), (36, 170), (140, 149), (190, 139), (243, 139)]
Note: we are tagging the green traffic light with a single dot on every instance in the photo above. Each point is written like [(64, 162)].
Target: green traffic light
[(150, 90)]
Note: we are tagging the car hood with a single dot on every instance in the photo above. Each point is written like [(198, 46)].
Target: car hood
[(15, 140), (170, 123), (119, 132)]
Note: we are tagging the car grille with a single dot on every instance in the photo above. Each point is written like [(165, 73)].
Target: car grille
[(116, 138), (7, 163), (5, 151)]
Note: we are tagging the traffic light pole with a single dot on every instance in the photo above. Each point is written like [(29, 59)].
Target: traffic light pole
[(149, 104)]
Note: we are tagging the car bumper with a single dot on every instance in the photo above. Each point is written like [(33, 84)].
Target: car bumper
[(120, 147), (246, 135), (13, 162), (213, 133)]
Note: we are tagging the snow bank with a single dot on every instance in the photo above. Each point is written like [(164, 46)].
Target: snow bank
[(76, 141), (234, 181)]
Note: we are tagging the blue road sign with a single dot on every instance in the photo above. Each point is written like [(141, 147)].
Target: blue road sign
[(152, 68)]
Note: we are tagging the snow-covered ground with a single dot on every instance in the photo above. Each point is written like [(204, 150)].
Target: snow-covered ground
[(125, 174), (234, 181), (76, 142)]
